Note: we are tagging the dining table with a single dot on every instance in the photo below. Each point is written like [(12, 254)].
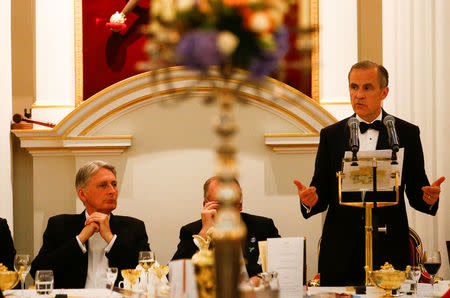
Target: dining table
[(424, 290)]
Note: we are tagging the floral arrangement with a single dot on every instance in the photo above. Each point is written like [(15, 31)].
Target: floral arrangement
[(247, 34)]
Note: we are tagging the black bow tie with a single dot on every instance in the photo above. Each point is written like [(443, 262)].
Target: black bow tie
[(377, 125)]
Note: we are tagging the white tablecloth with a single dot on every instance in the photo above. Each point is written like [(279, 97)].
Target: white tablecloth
[(74, 293), (424, 290)]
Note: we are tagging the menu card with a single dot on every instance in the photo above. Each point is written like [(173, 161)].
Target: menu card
[(286, 256), (182, 279)]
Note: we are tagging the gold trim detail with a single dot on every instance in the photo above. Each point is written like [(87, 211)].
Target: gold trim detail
[(31, 130), (292, 135), (78, 138), (177, 68), (51, 106), (315, 61), (176, 90), (90, 148), (78, 43), (193, 77), (104, 91), (293, 145), (335, 103)]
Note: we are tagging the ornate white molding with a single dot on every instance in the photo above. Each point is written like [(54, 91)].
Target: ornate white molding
[(292, 143), (76, 134)]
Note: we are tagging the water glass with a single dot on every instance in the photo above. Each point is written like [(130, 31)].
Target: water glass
[(111, 276), (415, 273), (44, 282)]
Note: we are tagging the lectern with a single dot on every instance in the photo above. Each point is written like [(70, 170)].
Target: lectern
[(377, 177)]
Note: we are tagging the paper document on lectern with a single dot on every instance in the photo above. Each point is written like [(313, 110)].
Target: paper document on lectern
[(360, 177)]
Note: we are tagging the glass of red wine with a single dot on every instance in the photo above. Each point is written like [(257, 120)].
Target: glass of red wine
[(432, 263)]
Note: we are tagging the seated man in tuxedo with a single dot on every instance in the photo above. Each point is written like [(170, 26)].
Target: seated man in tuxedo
[(80, 247), (7, 250), (258, 228)]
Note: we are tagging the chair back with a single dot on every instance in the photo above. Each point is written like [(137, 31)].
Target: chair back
[(415, 248)]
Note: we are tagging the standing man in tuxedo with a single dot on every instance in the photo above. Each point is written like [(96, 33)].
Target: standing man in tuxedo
[(258, 228), (341, 259), (7, 250), (80, 247)]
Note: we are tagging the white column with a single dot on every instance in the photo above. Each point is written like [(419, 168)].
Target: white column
[(338, 52), (55, 60), (6, 203), (416, 43)]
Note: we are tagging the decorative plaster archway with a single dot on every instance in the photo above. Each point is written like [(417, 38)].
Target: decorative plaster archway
[(76, 133)]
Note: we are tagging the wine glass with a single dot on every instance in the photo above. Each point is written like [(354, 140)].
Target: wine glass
[(161, 287), (22, 263), (111, 276), (146, 260), (432, 263), (131, 275)]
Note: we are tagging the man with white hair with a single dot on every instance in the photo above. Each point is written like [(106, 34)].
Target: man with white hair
[(80, 247)]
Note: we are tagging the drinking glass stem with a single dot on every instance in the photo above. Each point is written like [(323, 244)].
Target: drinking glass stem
[(432, 281), (22, 285)]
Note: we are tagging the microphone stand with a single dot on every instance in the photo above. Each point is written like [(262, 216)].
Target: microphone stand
[(354, 158), (394, 154)]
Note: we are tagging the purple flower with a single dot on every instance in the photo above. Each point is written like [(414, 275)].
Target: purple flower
[(267, 61), (198, 50)]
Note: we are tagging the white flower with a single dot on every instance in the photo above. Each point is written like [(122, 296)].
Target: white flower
[(184, 5), (260, 22), (117, 18), (227, 42)]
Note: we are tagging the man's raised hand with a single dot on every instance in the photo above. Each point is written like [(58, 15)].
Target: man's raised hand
[(307, 195)]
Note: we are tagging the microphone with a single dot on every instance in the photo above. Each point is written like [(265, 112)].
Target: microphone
[(389, 122), (353, 124)]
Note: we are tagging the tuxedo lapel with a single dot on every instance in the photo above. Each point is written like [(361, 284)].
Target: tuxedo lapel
[(113, 223), (80, 226), (346, 139), (383, 137), (342, 144), (84, 266)]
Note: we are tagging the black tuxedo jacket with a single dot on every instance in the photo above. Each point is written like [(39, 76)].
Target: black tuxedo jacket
[(342, 256), (258, 229), (61, 253), (7, 251)]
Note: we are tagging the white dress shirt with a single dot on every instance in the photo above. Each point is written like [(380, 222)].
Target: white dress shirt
[(97, 260), (368, 140)]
